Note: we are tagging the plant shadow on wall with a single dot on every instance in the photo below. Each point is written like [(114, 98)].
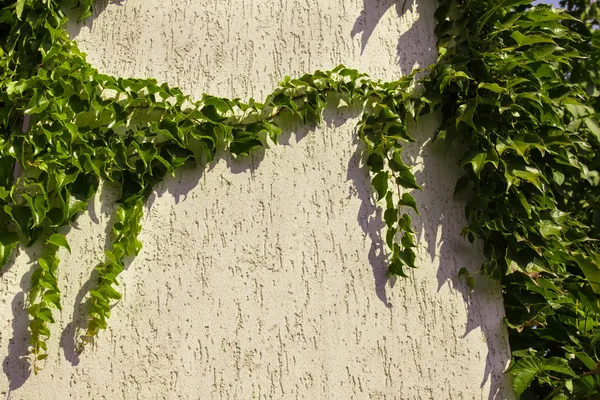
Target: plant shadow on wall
[(99, 6), (370, 216), (187, 178), (16, 365), (143, 131), (69, 339), (439, 231), (443, 241), (411, 47)]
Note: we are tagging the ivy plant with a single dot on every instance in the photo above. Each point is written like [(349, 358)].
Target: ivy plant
[(65, 127), (518, 90), (517, 87)]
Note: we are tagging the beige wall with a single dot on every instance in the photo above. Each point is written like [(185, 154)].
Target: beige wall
[(263, 278)]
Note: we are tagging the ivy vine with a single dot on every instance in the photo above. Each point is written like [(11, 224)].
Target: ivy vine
[(518, 90), (66, 127)]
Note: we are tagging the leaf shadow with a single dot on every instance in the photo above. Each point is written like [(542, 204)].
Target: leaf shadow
[(186, 178), (75, 24), (369, 217), (412, 46), (370, 221), (17, 364), (106, 196), (440, 238), (373, 11)]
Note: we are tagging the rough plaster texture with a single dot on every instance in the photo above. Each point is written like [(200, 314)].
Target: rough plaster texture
[(264, 277)]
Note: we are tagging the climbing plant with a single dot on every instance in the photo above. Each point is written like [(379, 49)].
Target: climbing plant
[(66, 127), (517, 87), (518, 91)]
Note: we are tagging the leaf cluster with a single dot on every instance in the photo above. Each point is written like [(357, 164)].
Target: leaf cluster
[(64, 127), (518, 90), (519, 104)]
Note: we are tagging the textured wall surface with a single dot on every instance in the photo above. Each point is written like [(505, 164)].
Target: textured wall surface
[(263, 277)]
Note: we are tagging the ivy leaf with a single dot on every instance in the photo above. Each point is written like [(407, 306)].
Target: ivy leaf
[(390, 216), (22, 217), (494, 87), (558, 177), (519, 170), (375, 162), (220, 104), (527, 40), (210, 113), (38, 103), (593, 126), (479, 160), (19, 8), (8, 242), (591, 269), (463, 272), (380, 183), (59, 240), (408, 256), (407, 180), (526, 369), (587, 360), (111, 293), (466, 112), (45, 314), (409, 201), (396, 267), (52, 297)]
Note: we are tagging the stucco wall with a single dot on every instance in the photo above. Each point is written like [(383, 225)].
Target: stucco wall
[(264, 277)]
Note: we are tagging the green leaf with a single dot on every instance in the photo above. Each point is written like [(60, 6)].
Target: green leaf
[(390, 236), (407, 256), (466, 113), (98, 295), (396, 268), (48, 281), (111, 293), (375, 162), (222, 105), (407, 180), (19, 8), (493, 87), (526, 369), (541, 51), (380, 183), (550, 229), (409, 201), (390, 216), (39, 102), (593, 126), (210, 112), (8, 242), (527, 40), (45, 314), (590, 268), (479, 160), (558, 177), (518, 170), (587, 360), (523, 201), (463, 272), (52, 297), (59, 240)]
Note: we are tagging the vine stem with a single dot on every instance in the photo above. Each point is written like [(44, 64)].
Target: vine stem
[(562, 385)]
